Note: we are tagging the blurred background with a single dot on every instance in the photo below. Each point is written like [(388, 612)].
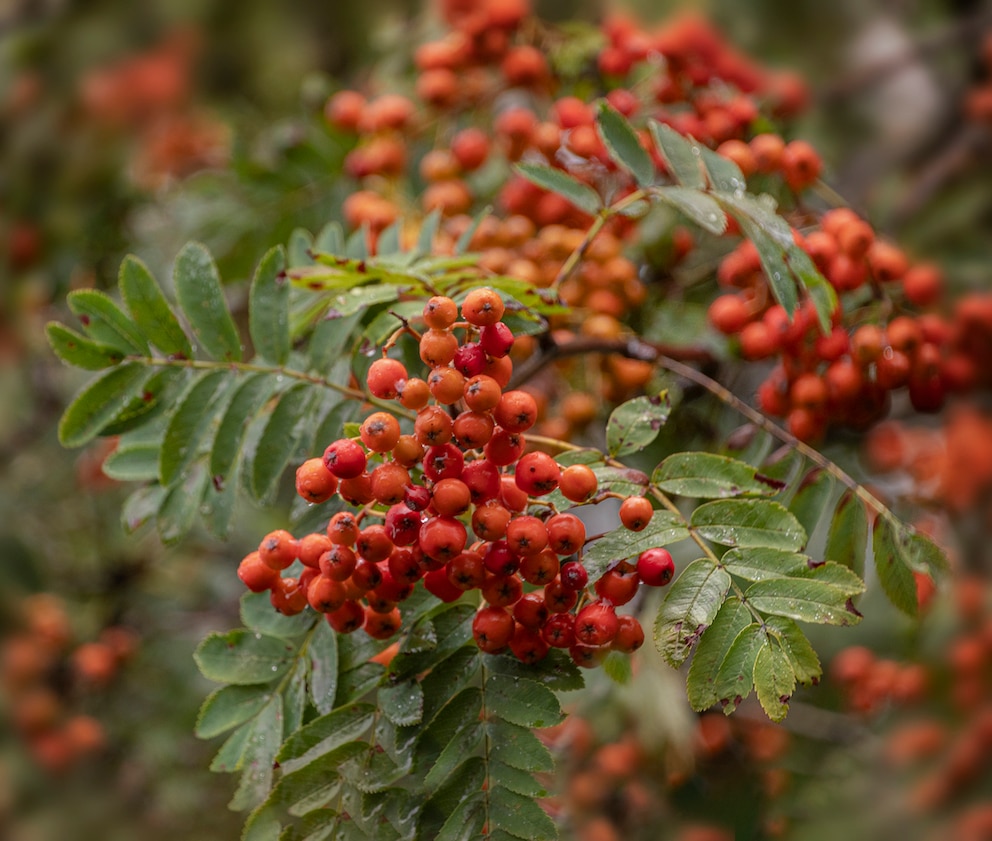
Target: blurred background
[(131, 128)]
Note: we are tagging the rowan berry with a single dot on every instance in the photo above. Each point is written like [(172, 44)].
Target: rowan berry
[(467, 571), (489, 520), (447, 385), (324, 594), (366, 575), (314, 482), (516, 411), (451, 497), (526, 535), (408, 451), (345, 458), (504, 447), (892, 369), (346, 619), (574, 576), (636, 512), (558, 597), (470, 359), (630, 635), (337, 563), (380, 431), (383, 377), (357, 490), (482, 393), (278, 549), (539, 569), (402, 525), (566, 534), (499, 368), (482, 479), (559, 630), (492, 629), (436, 583), (288, 596), (578, 482), (473, 430), (405, 566), (255, 574), (440, 312), (381, 626), (531, 611), (496, 339), (502, 590), (438, 347), (374, 543), (443, 461), (587, 656), (442, 538), (343, 528), (617, 587), (596, 624), (433, 426), (482, 307), (413, 393), (388, 482), (923, 284), (537, 474)]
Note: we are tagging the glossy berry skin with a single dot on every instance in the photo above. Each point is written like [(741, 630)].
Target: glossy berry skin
[(537, 474), (492, 629), (345, 458), (596, 624), (655, 567)]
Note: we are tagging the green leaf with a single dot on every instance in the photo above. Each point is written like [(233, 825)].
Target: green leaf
[(229, 706), (517, 747), (323, 651), (188, 425), (735, 679), (847, 539), (520, 816), (696, 205), (556, 671), (635, 424), (100, 402), (464, 742), (449, 678), (712, 650), (464, 785), (810, 500), (806, 600), (772, 236), (182, 503), (665, 528), (141, 507), (251, 395), (268, 308), (329, 732), (822, 294), (723, 174), (748, 523), (105, 322), (300, 247), (681, 155), (243, 657), (402, 703), (279, 439), (201, 297), (258, 614), (463, 708), (260, 751), (135, 463), (689, 608), (581, 195), (521, 701), (151, 310), (899, 552), (522, 782), (774, 679), (78, 350), (622, 143), (805, 664), (617, 667), (710, 476), (465, 823), (763, 564), (294, 699)]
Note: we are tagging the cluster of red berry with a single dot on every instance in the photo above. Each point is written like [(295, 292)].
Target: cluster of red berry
[(469, 452), (846, 375)]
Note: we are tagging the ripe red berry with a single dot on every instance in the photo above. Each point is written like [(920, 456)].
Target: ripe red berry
[(596, 624), (566, 534), (574, 576), (442, 538), (559, 630), (380, 431), (516, 411), (492, 629), (255, 574), (636, 512), (482, 307), (655, 567), (578, 482), (537, 474), (383, 377), (278, 549), (345, 458), (617, 587), (630, 635), (496, 339), (314, 482)]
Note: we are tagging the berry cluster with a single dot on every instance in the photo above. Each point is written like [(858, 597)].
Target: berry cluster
[(846, 375), (45, 676), (465, 465)]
